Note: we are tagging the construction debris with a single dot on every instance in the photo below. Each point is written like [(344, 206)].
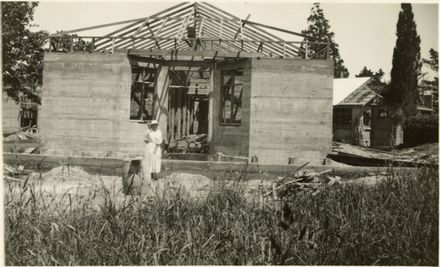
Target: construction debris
[(195, 143), (302, 181), (365, 156)]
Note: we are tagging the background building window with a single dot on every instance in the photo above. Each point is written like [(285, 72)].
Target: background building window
[(366, 118), (231, 93), (342, 116), (142, 94)]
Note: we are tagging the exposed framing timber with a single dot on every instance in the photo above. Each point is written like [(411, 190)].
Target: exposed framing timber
[(141, 26)]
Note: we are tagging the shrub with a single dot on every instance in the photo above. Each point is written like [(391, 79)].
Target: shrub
[(420, 130)]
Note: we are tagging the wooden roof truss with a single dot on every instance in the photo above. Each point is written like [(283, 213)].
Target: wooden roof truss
[(214, 33)]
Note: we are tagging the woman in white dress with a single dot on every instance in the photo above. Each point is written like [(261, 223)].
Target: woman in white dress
[(153, 152)]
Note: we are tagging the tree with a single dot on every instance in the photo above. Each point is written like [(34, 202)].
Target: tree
[(22, 49), (433, 61), (365, 73), (369, 73), (319, 29), (402, 93)]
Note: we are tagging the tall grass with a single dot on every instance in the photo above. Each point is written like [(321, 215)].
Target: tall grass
[(393, 223)]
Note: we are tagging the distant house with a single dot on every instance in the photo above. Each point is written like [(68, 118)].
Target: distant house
[(19, 111), (360, 116), (426, 99)]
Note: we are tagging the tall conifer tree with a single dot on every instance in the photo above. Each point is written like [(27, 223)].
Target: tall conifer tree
[(403, 92)]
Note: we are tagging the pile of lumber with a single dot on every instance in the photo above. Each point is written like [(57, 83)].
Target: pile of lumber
[(21, 135), (307, 181), (195, 143), (365, 156)]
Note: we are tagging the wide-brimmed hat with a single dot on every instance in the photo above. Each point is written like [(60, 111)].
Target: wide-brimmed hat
[(154, 122)]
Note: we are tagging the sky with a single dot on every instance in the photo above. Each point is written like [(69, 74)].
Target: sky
[(365, 32)]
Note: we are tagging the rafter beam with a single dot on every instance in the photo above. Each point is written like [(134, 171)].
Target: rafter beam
[(141, 26), (242, 24)]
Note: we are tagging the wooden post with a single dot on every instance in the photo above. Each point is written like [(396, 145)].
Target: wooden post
[(210, 107), (113, 44), (161, 101), (179, 113), (184, 108), (221, 28), (188, 111), (173, 113), (142, 95), (50, 44), (241, 30)]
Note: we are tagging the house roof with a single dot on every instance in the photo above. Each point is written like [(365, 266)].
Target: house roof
[(344, 87), (192, 26)]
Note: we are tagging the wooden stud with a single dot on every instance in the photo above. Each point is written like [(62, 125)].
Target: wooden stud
[(211, 107), (179, 113), (221, 29), (173, 114), (184, 10), (141, 26), (200, 27), (184, 108)]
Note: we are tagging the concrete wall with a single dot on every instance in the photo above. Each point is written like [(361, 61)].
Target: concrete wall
[(81, 103), (10, 113), (231, 140), (291, 110)]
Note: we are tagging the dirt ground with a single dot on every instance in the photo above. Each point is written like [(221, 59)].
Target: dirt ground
[(76, 181)]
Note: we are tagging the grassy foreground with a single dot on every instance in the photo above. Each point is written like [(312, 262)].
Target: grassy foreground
[(393, 223)]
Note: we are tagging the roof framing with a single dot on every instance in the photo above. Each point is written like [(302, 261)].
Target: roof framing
[(213, 29)]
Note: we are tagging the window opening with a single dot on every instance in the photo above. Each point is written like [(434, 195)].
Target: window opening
[(231, 97), (342, 116), (143, 94)]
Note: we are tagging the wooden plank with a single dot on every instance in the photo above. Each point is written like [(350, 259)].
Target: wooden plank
[(170, 28), (283, 30), (221, 28), (251, 32), (200, 27), (242, 24), (204, 53), (160, 28), (123, 40), (184, 117), (179, 114), (211, 107), (141, 26), (255, 30), (173, 114), (98, 26), (183, 9)]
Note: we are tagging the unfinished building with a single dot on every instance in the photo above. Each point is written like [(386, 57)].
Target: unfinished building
[(195, 69)]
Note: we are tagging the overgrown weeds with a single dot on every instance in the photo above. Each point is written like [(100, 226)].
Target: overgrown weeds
[(392, 223)]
